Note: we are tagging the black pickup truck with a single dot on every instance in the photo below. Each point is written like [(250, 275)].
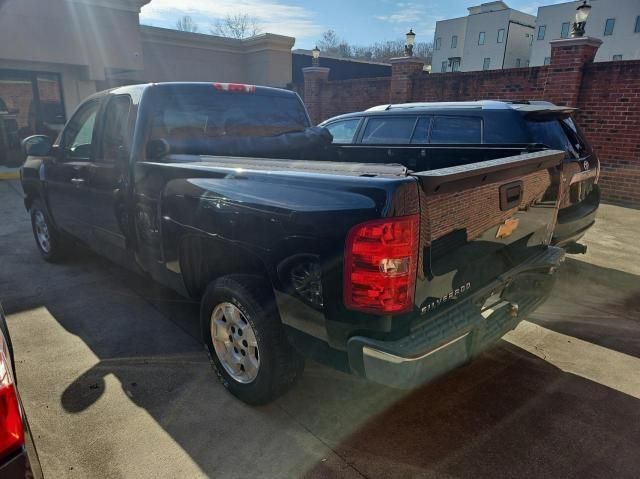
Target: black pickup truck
[(225, 193)]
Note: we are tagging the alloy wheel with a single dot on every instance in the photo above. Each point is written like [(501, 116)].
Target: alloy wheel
[(234, 342)]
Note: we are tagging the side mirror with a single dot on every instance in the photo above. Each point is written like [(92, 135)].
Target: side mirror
[(37, 145)]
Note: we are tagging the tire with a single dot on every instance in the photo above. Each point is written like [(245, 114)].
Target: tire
[(253, 337), (51, 248)]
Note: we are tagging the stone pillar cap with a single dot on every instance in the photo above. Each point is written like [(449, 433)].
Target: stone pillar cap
[(570, 42), (407, 60), (315, 69)]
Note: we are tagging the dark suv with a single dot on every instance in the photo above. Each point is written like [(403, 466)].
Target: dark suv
[(459, 132)]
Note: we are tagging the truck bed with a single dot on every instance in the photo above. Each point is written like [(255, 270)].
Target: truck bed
[(203, 162)]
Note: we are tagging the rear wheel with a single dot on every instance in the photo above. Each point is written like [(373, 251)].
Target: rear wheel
[(246, 340), (47, 237)]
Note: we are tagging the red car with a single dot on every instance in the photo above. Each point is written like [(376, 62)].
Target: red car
[(18, 456)]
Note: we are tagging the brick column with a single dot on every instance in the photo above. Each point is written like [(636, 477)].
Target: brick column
[(568, 58), (314, 80), (403, 71)]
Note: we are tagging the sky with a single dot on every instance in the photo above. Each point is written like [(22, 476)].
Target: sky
[(359, 22)]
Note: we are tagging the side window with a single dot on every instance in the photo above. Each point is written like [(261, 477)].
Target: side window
[(421, 133), (343, 131), (78, 134), (456, 129), (391, 130), (116, 134)]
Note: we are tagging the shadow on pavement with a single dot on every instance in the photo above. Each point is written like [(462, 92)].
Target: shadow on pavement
[(596, 304), (508, 414)]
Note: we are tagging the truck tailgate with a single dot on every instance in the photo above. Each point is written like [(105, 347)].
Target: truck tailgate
[(481, 221)]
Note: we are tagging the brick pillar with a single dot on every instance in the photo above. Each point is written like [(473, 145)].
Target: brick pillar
[(314, 80), (403, 71), (568, 58)]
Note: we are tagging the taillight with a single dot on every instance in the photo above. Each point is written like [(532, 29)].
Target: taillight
[(381, 257), (11, 431)]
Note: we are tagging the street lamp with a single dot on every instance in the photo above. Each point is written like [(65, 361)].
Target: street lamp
[(411, 39), (582, 12), (316, 56)]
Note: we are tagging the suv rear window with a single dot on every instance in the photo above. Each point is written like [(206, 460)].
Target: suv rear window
[(456, 129), (392, 130), (558, 134)]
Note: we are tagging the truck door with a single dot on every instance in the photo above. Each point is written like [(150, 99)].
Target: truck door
[(109, 177), (67, 177)]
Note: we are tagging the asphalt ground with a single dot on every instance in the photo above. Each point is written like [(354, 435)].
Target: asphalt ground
[(116, 383)]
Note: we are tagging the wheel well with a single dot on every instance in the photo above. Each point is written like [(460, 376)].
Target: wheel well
[(30, 195), (204, 259)]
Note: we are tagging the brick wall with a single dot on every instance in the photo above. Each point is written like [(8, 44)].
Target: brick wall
[(513, 84), (610, 117), (342, 96), (607, 95)]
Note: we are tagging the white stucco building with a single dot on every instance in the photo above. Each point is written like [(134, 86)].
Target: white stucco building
[(492, 37), (615, 22)]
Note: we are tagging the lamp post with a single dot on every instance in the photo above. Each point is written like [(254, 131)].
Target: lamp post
[(411, 39), (582, 13), (316, 56)]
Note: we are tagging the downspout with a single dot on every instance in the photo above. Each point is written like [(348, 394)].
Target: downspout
[(506, 41)]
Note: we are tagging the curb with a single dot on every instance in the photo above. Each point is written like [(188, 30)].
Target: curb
[(9, 175)]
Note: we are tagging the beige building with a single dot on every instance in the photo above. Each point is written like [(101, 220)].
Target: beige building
[(492, 37), (615, 22), (54, 53)]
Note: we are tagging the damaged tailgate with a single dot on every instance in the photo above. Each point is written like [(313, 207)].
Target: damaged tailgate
[(482, 222)]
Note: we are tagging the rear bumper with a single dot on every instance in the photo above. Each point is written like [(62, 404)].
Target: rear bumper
[(447, 340), (575, 220)]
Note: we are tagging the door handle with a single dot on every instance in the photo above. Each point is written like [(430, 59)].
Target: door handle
[(77, 181)]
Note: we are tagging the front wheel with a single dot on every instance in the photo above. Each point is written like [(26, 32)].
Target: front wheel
[(48, 240), (246, 340)]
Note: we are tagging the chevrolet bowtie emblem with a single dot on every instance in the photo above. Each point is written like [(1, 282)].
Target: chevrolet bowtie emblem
[(507, 228)]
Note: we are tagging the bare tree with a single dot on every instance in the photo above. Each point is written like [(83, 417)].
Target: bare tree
[(186, 24), (238, 26), (329, 42)]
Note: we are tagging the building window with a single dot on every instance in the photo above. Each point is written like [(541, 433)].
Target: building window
[(637, 29), (455, 64), (542, 29), (608, 26), (501, 35), (481, 38), (454, 41), (443, 68), (564, 31), (617, 57), (486, 63), (438, 43), (526, 63), (547, 60), (517, 63)]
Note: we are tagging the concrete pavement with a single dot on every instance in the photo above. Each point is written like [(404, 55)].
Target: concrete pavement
[(116, 383)]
